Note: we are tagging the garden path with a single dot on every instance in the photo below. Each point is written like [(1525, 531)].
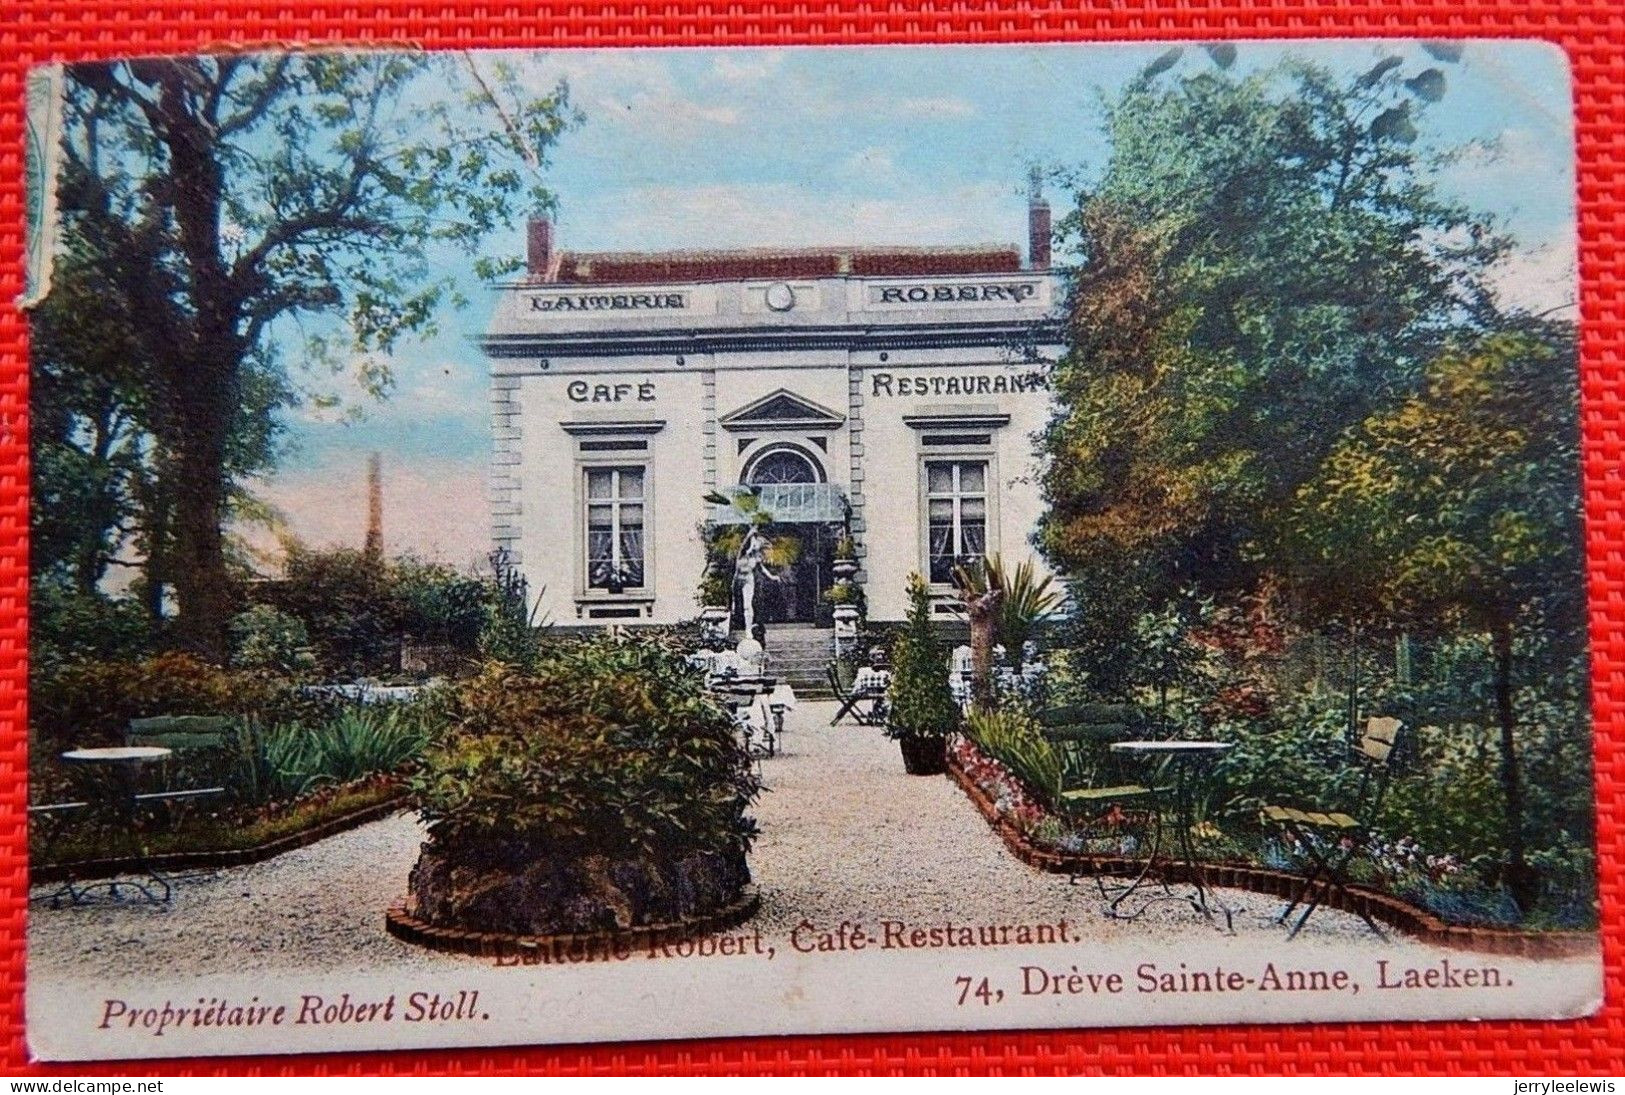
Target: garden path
[(846, 835)]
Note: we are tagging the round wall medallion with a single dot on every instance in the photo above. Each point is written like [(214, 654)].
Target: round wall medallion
[(780, 297)]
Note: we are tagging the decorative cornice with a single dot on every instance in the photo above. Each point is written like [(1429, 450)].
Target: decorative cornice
[(689, 341), (611, 427), (969, 418), (816, 416)]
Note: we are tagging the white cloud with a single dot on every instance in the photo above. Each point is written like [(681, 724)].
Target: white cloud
[(626, 89), (746, 66), (872, 163), (1542, 280), (759, 214)]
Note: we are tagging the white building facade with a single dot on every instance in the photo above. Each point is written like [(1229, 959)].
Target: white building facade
[(889, 394)]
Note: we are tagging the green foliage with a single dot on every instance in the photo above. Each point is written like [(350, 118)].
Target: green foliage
[(1026, 599), (1459, 508), (439, 604), (1459, 505), (843, 593), (93, 702), (215, 831), (1097, 636), (611, 746), (289, 760), (357, 607), (1287, 373), (722, 544), (513, 626), (350, 606), (1298, 755), (265, 638), (1263, 266), (920, 703), (218, 199), (723, 541), (1027, 603), (1014, 738), (66, 627)]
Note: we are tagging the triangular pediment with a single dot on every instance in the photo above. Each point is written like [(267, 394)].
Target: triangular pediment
[(782, 409)]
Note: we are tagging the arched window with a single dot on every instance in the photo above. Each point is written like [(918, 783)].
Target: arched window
[(782, 464)]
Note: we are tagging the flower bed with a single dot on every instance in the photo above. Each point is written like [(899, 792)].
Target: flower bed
[(1037, 836), (227, 838)]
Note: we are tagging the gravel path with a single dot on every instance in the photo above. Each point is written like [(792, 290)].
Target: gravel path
[(846, 835)]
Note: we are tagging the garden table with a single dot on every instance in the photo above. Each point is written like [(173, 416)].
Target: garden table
[(739, 693), (1190, 762), (778, 701), (123, 763)]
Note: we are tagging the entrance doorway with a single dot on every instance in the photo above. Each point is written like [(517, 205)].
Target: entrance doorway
[(790, 484), (806, 552)]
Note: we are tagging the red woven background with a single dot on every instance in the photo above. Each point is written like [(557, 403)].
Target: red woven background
[(1593, 34)]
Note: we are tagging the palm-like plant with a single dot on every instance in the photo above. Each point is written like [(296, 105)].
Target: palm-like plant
[(980, 594), (1028, 601), (1004, 607)]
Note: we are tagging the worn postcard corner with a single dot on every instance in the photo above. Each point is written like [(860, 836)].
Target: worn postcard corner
[(829, 540)]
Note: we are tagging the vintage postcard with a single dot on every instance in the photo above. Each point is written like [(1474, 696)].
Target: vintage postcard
[(603, 545)]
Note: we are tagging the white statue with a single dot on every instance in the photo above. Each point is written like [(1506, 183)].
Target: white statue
[(752, 559)]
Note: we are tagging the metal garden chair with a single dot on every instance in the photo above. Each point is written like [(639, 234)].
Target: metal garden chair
[(1332, 839), (1085, 732)]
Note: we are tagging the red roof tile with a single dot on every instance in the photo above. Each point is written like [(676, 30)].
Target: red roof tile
[(635, 268)]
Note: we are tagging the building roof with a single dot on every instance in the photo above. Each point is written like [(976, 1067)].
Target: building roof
[(654, 267)]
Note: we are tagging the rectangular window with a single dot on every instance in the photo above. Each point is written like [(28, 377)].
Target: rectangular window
[(956, 514), (614, 499)]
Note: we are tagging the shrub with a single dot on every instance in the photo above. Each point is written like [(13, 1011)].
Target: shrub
[(349, 605), (266, 638), (843, 593), (511, 632), (611, 747), (920, 702), (1298, 755), (66, 626), (439, 605), (93, 702)]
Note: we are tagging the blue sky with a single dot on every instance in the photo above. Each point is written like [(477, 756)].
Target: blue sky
[(923, 145)]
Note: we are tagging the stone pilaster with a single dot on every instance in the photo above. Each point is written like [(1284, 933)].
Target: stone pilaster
[(503, 483)]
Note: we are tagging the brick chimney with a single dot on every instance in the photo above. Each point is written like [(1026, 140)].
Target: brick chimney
[(539, 248), (1038, 223)]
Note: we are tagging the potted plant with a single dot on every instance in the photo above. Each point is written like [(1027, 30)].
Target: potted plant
[(921, 709), (845, 565)]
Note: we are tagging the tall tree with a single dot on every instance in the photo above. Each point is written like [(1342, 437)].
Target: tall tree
[(1262, 263), (88, 404), (228, 195), (1459, 509)]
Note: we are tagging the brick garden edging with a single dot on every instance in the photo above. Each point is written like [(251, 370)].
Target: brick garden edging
[(408, 928), (215, 860), (1391, 910)]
